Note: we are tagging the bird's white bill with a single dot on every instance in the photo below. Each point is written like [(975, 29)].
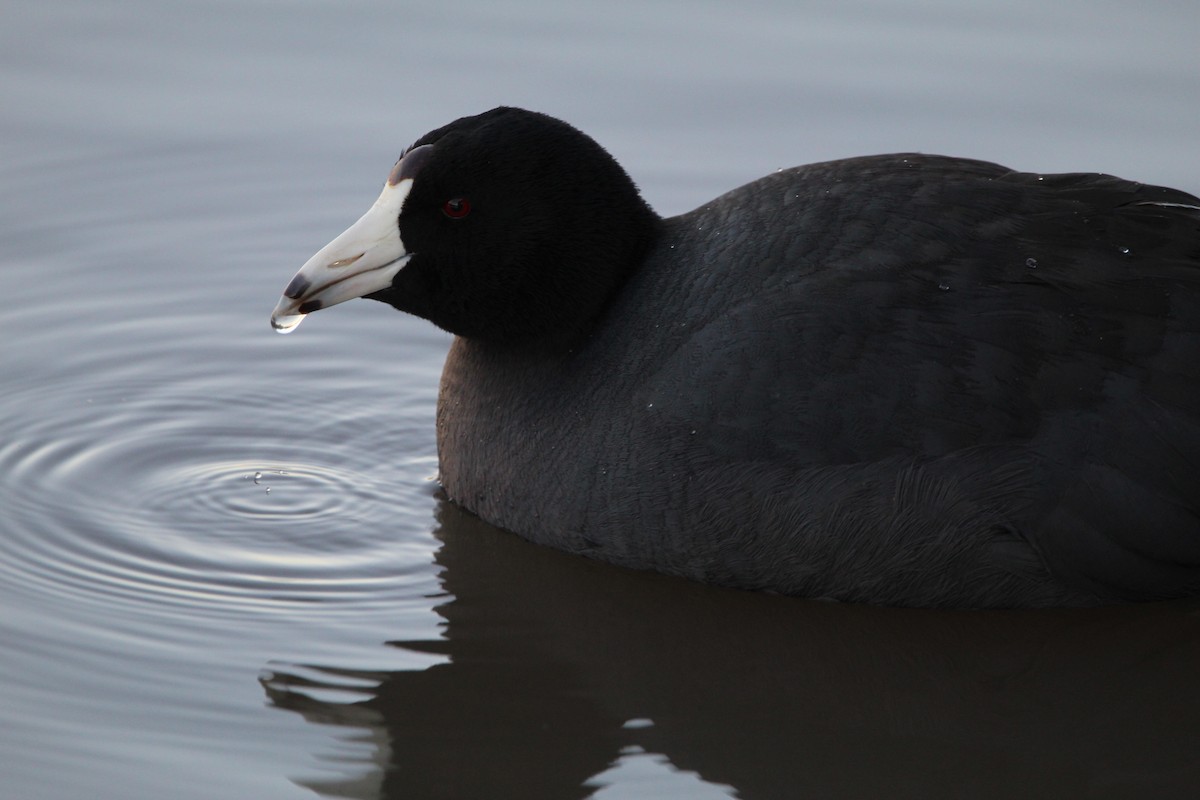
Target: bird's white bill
[(363, 259)]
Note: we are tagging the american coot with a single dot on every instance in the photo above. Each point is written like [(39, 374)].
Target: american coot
[(898, 379)]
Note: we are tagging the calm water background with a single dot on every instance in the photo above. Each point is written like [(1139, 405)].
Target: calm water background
[(224, 567)]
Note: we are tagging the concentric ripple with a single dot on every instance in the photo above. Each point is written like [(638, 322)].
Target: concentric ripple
[(191, 488)]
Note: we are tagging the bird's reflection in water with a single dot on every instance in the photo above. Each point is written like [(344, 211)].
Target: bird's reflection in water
[(559, 671)]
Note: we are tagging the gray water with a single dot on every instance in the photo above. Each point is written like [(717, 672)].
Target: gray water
[(225, 570)]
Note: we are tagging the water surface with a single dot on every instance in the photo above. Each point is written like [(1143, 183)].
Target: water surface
[(224, 567)]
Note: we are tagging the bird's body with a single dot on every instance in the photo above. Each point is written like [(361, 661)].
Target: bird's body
[(908, 380)]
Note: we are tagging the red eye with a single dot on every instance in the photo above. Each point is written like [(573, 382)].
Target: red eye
[(457, 207)]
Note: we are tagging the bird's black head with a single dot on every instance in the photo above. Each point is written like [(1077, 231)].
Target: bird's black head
[(508, 226)]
